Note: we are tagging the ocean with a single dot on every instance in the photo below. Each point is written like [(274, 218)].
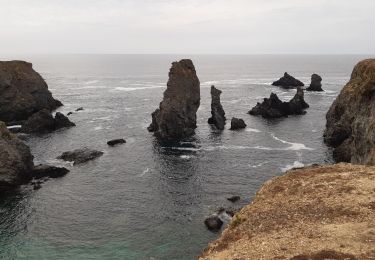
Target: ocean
[(146, 200)]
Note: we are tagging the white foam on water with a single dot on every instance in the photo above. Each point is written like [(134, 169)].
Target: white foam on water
[(138, 88), (293, 146), (91, 82), (296, 164), (185, 157), (14, 126), (90, 87), (147, 170), (257, 165), (98, 128), (252, 130)]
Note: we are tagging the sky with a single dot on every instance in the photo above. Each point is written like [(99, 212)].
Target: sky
[(187, 26)]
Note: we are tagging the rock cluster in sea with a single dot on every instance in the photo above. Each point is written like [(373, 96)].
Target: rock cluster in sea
[(217, 112), (316, 83), (288, 81)]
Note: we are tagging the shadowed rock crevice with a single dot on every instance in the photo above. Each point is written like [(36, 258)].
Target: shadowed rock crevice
[(218, 115)]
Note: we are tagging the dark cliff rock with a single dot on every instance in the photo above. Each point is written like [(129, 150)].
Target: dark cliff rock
[(176, 116), (47, 171), (23, 92), (273, 107), (79, 156), (16, 161), (217, 111), (288, 81), (316, 83), (237, 123), (351, 121)]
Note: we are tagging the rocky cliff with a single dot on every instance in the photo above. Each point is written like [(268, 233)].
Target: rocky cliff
[(176, 116), (217, 112), (350, 128), (318, 212), (23, 92)]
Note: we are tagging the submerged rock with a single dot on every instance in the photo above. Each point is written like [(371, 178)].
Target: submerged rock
[(234, 198), (237, 123), (79, 109), (351, 118), (316, 83), (79, 156), (288, 81), (116, 142), (23, 92), (43, 171), (273, 107), (213, 223), (217, 111), (176, 117)]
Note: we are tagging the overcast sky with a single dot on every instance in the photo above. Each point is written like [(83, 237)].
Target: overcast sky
[(187, 26)]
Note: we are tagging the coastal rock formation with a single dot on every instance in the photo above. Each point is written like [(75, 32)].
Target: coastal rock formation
[(79, 156), (176, 117), (237, 123), (320, 212), (16, 161), (273, 107), (351, 118), (316, 83), (116, 142), (47, 171), (23, 92), (288, 81), (213, 223), (217, 111), (43, 122)]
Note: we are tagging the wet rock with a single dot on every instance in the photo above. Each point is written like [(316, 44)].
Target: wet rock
[(273, 107), (217, 111), (37, 186), (213, 223), (116, 142), (316, 83), (237, 123), (70, 113), (23, 92), (62, 121), (176, 117), (234, 198), (43, 171), (79, 109), (79, 156), (288, 81)]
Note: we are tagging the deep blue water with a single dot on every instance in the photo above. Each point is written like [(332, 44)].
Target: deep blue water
[(143, 200)]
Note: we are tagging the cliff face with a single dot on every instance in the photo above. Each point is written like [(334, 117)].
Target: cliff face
[(321, 212), (23, 92), (350, 125)]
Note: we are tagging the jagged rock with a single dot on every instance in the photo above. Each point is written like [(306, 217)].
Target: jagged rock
[(213, 223), (43, 122), (351, 118), (217, 111), (116, 142), (234, 198), (288, 82), (316, 83), (237, 123), (79, 156), (79, 109), (273, 107), (16, 161), (176, 116), (70, 113), (43, 171), (23, 92)]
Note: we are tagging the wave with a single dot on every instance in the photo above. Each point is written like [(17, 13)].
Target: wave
[(186, 157), (296, 164), (258, 165), (138, 88), (252, 130), (91, 82), (293, 146)]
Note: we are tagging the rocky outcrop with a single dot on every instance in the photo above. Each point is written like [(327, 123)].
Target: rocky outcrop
[(176, 117), (316, 83), (351, 118), (79, 156), (16, 161), (23, 92), (321, 212), (115, 142), (273, 107), (43, 122), (217, 111), (237, 123), (288, 81), (48, 171)]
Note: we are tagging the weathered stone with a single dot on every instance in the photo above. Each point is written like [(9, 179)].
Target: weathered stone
[(288, 81), (217, 111), (79, 156), (116, 142), (237, 123), (213, 223), (316, 83), (43, 171)]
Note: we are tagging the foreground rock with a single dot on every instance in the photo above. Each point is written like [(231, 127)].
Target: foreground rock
[(287, 81), (316, 83), (47, 171), (23, 92), (115, 142), (237, 123), (79, 156), (16, 161), (217, 111), (43, 122), (273, 107), (351, 118), (176, 117), (324, 212), (213, 223)]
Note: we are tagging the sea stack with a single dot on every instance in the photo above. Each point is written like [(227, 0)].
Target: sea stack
[(316, 83), (217, 111), (288, 81), (176, 116), (351, 118), (23, 92)]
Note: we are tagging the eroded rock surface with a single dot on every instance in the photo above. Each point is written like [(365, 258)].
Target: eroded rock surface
[(316, 83), (288, 81), (217, 112), (237, 123), (79, 156)]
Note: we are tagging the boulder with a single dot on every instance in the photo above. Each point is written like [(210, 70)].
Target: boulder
[(23, 92), (176, 116), (16, 161), (79, 109), (213, 223), (316, 83), (47, 171), (234, 198), (79, 156), (288, 81), (116, 142), (273, 107), (351, 118), (237, 123), (62, 121), (217, 111)]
